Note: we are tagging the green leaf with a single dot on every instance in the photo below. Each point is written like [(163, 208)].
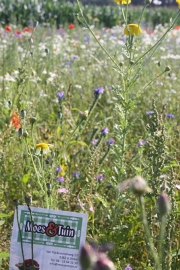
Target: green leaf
[(102, 200), (147, 267), (2, 215), (4, 255), (2, 222), (78, 142), (175, 253), (25, 178)]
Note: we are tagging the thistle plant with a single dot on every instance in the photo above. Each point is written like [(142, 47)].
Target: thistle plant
[(130, 71)]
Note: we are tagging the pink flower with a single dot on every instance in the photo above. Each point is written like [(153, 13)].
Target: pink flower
[(62, 190), (91, 208)]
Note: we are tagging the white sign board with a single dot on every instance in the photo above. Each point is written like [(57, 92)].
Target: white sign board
[(57, 237)]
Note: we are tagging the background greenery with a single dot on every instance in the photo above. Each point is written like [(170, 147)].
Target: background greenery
[(69, 60), (59, 13)]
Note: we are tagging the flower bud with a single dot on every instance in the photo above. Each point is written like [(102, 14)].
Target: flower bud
[(25, 134), (28, 199), (46, 50), (30, 40), (32, 120), (84, 115), (23, 113), (35, 23), (167, 69), (20, 131), (103, 263), (15, 202), (139, 186), (87, 257), (164, 205)]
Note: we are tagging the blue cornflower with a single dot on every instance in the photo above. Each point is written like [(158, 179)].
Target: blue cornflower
[(58, 169), (60, 179), (128, 267), (169, 115), (60, 95), (104, 131), (110, 141), (149, 112), (98, 91), (76, 174), (141, 142), (99, 177)]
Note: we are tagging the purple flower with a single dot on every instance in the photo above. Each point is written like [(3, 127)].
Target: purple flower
[(149, 112), (128, 267), (94, 142), (104, 131), (141, 142), (60, 95), (60, 179), (169, 115), (98, 91), (110, 141), (76, 174), (62, 190), (59, 169), (99, 177)]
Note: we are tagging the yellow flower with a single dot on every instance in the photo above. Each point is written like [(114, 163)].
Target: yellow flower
[(133, 29), (178, 2), (42, 148), (122, 2)]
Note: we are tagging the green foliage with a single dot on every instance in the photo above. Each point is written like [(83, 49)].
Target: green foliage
[(135, 80), (60, 13)]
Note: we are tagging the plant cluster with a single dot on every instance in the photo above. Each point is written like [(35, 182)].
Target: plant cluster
[(84, 112)]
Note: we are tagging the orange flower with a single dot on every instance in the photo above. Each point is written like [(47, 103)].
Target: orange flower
[(177, 27), (15, 119), (8, 28), (71, 26)]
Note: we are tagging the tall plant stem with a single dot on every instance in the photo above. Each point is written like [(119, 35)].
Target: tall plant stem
[(148, 235), (32, 237), (20, 234)]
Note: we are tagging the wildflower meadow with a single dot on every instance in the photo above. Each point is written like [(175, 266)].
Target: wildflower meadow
[(90, 123)]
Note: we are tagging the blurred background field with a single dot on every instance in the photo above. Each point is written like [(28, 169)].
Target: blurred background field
[(83, 164), (59, 13)]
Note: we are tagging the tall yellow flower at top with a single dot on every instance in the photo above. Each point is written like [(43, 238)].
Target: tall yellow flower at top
[(133, 29), (122, 2), (178, 2)]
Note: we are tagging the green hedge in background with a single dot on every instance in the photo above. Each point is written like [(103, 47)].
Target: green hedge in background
[(59, 13)]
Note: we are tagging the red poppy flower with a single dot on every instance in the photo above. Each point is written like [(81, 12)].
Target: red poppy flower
[(26, 29), (15, 120), (71, 26), (17, 33), (8, 28)]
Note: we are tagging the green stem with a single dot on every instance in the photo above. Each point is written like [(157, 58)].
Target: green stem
[(89, 28), (20, 235), (149, 83), (32, 236), (161, 239), (147, 233), (37, 174)]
